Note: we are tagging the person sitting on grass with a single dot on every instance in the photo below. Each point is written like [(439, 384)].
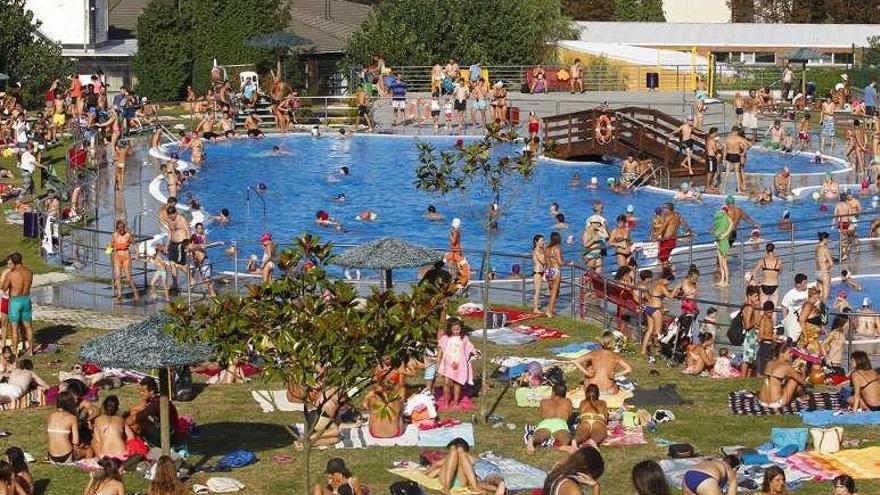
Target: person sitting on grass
[(774, 482), (20, 472), (63, 430), (864, 379), (844, 485), (339, 480), (555, 412), (699, 356), (143, 418), (384, 403), (593, 423), (110, 431), (781, 381), (106, 482), (457, 469), (7, 481), (165, 480), (709, 477), (579, 471), (600, 367), (648, 479)]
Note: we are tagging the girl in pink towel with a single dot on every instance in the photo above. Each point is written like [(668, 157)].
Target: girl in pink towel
[(454, 356)]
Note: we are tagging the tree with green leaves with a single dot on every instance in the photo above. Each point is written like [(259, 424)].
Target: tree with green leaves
[(465, 173), (163, 63), (589, 10), (178, 41), (492, 32), (639, 11), (26, 55), (315, 331)]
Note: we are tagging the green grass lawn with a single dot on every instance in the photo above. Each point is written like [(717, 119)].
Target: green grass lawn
[(229, 419)]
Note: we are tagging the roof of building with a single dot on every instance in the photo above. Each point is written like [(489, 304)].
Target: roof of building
[(635, 55), (123, 16), (113, 48), (308, 20), (730, 34)]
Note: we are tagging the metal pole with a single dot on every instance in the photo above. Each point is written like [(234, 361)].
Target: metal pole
[(792, 249), (523, 285), (604, 303), (235, 266), (189, 299), (572, 291), (742, 260)]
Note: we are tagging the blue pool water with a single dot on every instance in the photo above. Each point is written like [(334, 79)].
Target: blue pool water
[(761, 161), (381, 180)]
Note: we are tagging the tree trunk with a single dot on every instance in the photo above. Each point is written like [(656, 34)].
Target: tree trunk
[(307, 444), (487, 256)]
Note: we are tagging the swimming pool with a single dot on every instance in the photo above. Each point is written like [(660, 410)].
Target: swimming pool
[(305, 179), (766, 162)]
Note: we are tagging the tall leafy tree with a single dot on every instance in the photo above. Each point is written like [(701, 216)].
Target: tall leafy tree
[(742, 10), (163, 63), (493, 32), (639, 11), (25, 54), (313, 330), (589, 10)]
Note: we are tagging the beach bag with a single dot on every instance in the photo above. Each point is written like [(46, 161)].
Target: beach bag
[(735, 332), (781, 437), (237, 459), (407, 487), (827, 440), (792, 326)]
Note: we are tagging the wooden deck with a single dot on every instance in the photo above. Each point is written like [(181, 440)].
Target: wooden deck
[(642, 132)]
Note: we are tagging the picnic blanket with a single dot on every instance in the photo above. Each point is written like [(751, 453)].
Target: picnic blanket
[(622, 436), (513, 316), (440, 437), (517, 476), (574, 351), (274, 400), (540, 332), (532, 396), (418, 475), (859, 463), (360, 437), (506, 336), (827, 418), (664, 395), (745, 402), (813, 465)]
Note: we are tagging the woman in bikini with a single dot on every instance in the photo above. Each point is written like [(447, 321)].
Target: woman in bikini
[(710, 477), (108, 481), (864, 379), (780, 382), (268, 264), (21, 475), (121, 248), (699, 356), (63, 430), (770, 266), (111, 431), (621, 242), (538, 267), (812, 319), (553, 270), (653, 299), (593, 418), (499, 103), (578, 474), (832, 345)]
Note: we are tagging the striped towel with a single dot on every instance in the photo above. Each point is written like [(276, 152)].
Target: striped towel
[(744, 402), (360, 438)]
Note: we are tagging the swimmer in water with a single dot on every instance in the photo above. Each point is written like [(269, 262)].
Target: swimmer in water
[(554, 209), (262, 187), (277, 151), (616, 186), (785, 223), (344, 170), (432, 215), (367, 216), (575, 180), (846, 278), (322, 219), (594, 183), (340, 198), (764, 197), (560, 222)]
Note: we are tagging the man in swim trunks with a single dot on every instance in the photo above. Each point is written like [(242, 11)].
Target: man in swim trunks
[(782, 183), (178, 234), (842, 219), (363, 104), (398, 100), (687, 143), (669, 233), (737, 215), (713, 153), (555, 412), (577, 77), (824, 264), (735, 146), (776, 133), (828, 124), (629, 169), (20, 381), (18, 285)]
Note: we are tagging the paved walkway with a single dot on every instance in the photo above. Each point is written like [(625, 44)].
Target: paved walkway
[(86, 318)]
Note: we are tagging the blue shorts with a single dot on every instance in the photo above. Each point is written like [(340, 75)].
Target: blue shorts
[(20, 310), (430, 372)]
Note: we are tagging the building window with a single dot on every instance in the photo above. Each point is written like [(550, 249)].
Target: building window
[(843, 58), (765, 57), (722, 57), (747, 57)]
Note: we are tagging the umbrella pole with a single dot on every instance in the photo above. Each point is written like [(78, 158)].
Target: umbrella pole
[(164, 417), (387, 280)]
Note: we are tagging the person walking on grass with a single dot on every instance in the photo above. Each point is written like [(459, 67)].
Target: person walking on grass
[(17, 285)]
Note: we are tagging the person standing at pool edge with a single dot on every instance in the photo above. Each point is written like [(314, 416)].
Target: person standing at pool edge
[(827, 118), (18, 285)]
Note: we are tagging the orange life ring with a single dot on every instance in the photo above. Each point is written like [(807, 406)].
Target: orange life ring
[(603, 130)]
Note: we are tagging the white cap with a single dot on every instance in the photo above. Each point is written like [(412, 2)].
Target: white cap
[(596, 219), (630, 208), (866, 302), (594, 180), (456, 223)]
